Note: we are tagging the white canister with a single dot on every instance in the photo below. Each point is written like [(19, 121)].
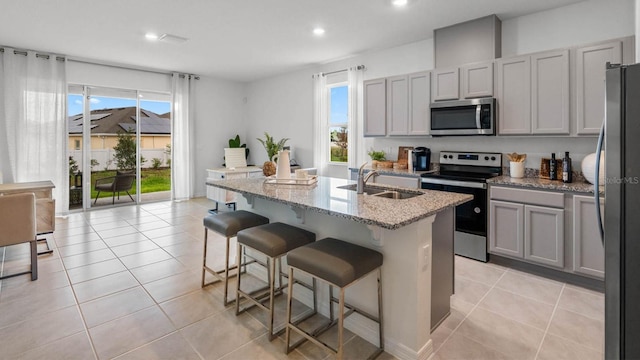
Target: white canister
[(516, 169)]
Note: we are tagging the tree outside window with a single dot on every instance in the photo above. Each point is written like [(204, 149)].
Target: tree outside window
[(338, 122)]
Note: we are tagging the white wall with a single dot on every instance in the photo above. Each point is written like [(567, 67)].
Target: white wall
[(219, 116), (580, 23)]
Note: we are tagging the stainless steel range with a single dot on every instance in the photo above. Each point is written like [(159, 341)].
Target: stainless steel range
[(467, 173)]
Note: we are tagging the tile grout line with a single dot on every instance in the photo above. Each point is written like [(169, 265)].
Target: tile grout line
[(546, 331)]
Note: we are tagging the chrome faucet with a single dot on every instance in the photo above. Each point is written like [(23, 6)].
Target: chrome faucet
[(362, 179)]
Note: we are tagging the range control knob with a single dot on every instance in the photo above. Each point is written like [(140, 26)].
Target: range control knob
[(493, 158), (486, 158)]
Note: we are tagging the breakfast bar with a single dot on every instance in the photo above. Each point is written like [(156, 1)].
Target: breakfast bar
[(412, 228)]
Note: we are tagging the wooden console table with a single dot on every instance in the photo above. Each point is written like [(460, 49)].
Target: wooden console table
[(45, 205)]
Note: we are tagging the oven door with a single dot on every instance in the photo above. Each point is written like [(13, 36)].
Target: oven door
[(470, 238)]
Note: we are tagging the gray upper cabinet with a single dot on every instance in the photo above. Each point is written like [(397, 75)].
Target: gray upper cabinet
[(550, 93), (588, 251), (397, 105), (590, 84), (514, 95), (477, 80), (375, 109), (544, 235), (445, 84), (419, 99)]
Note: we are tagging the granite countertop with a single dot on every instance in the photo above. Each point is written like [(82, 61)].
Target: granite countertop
[(397, 172), (326, 197), (242, 169), (544, 184)]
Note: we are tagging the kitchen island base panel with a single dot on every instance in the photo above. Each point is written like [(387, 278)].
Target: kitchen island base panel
[(407, 271)]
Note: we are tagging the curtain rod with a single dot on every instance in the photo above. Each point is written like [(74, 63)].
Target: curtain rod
[(359, 67), (131, 68), (41, 56)]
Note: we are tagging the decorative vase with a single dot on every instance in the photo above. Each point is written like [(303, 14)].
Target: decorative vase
[(269, 168), (589, 168)]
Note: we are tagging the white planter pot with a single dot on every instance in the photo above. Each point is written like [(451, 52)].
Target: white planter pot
[(589, 168)]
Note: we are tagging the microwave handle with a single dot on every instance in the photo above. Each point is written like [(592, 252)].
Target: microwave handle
[(478, 107)]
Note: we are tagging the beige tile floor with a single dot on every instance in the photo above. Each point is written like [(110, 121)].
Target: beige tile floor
[(125, 283)]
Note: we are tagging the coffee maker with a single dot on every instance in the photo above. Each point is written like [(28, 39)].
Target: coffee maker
[(421, 158)]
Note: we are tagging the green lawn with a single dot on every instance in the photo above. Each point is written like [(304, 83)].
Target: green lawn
[(152, 181)]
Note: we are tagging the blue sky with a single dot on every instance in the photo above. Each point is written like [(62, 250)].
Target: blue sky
[(74, 104), (339, 105)]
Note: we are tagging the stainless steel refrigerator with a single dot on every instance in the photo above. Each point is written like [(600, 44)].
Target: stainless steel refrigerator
[(621, 217)]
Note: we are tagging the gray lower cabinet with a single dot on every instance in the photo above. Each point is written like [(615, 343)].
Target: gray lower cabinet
[(544, 235), (375, 107), (588, 250), (527, 224)]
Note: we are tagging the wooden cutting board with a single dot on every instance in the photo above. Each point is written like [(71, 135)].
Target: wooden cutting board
[(402, 152)]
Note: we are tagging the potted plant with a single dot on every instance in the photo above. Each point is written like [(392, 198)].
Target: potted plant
[(272, 148), (376, 156)]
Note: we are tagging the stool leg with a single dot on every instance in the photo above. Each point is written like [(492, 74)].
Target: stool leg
[(272, 269), (380, 322), (289, 298), (239, 253), (331, 316), (341, 325), (226, 274), (204, 256)]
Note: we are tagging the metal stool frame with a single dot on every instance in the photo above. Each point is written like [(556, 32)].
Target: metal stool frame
[(313, 336), (259, 296)]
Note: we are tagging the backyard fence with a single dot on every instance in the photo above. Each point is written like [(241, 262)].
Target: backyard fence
[(104, 158)]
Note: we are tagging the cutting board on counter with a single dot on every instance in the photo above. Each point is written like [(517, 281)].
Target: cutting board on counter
[(402, 153)]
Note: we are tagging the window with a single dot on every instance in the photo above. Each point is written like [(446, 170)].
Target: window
[(338, 104), (77, 144)]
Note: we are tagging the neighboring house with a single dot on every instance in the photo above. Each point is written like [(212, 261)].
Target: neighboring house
[(155, 129)]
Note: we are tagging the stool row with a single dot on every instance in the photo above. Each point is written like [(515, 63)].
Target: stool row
[(334, 262)]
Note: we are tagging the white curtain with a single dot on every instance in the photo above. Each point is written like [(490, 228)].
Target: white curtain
[(320, 131), (182, 136), (356, 119), (33, 121)]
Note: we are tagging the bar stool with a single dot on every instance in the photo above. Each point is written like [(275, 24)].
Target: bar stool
[(228, 225), (273, 241), (340, 264)]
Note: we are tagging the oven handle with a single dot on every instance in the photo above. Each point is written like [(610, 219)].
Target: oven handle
[(467, 184), (478, 126)]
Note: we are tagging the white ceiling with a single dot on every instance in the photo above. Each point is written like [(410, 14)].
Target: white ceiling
[(240, 40)]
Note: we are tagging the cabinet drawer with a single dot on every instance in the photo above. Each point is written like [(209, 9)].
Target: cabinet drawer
[(534, 197), (45, 215)]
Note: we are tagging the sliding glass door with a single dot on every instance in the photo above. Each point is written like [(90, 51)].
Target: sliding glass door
[(122, 154)]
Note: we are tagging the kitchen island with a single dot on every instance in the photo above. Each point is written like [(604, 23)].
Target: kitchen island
[(406, 231)]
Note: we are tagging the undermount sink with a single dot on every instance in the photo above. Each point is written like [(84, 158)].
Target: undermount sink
[(384, 192)]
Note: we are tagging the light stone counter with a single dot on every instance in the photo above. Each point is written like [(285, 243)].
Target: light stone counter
[(544, 184), (327, 197), (415, 237)]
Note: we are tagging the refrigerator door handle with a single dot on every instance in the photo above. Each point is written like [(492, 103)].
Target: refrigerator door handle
[(596, 185)]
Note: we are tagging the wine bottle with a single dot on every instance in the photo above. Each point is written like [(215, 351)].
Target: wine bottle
[(567, 175), (552, 167)]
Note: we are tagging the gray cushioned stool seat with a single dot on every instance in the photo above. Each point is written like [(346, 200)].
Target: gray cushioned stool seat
[(228, 224), (335, 261), (275, 239)]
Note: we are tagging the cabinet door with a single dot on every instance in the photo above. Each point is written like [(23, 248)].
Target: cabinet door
[(550, 93), (590, 84), (419, 98), (544, 235), (506, 227), (588, 250), (397, 105), (477, 80), (514, 95), (445, 84), (375, 107)]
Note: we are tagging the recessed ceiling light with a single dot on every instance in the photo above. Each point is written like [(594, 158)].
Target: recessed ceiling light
[(399, 3), (318, 31), (151, 36)]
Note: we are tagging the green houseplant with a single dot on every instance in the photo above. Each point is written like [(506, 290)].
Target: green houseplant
[(376, 156), (272, 148)]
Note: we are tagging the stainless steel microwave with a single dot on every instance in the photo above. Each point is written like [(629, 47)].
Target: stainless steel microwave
[(463, 117)]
